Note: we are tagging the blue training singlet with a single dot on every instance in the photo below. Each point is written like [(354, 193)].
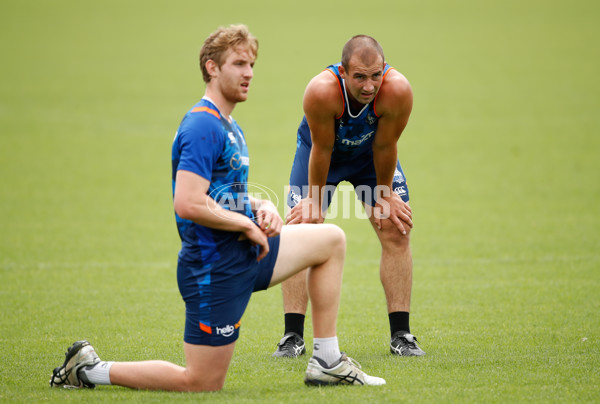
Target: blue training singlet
[(353, 133), (209, 145)]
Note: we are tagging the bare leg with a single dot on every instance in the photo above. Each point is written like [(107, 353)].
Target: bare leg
[(395, 266), (295, 295), (322, 247), (206, 370)]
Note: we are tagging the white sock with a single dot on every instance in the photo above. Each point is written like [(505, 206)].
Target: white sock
[(97, 374), (326, 349)]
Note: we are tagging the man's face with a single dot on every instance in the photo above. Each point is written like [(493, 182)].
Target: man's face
[(235, 74), (363, 77)]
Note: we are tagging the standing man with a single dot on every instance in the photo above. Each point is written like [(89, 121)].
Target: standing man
[(355, 112), (232, 245)]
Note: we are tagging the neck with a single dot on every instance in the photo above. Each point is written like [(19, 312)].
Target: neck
[(225, 107), (354, 106)]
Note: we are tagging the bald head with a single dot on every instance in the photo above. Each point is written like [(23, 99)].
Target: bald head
[(364, 47)]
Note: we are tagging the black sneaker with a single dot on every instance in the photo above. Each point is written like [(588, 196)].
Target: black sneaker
[(405, 344), (290, 346)]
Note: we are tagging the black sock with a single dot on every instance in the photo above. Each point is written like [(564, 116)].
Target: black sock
[(399, 321), (294, 322)]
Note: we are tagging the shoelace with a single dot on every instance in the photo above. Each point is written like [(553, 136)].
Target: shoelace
[(412, 343), (352, 361), (290, 342)]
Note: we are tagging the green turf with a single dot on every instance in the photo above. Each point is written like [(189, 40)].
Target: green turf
[(501, 154)]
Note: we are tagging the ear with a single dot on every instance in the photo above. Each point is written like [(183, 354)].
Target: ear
[(212, 68), (342, 71)]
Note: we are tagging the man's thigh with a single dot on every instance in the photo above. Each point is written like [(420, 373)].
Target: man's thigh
[(208, 365), (302, 246)]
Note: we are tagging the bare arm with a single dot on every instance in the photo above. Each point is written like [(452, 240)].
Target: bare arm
[(191, 202), (394, 105), (322, 103)]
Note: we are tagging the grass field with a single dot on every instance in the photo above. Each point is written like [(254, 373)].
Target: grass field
[(501, 155)]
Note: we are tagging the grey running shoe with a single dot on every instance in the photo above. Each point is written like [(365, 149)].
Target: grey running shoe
[(290, 346), (80, 354), (344, 371), (405, 344)]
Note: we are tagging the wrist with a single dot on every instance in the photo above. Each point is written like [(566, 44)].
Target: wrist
[(383, 192), (246, 225)]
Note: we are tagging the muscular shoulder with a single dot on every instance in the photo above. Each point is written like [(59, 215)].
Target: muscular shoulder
[(323, 95), (395, 94)]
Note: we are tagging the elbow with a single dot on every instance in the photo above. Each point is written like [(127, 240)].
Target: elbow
[(322, 151), (383, 147), (183, 210)]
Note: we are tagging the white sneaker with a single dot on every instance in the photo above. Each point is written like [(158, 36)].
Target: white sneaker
[(344, 371), (80, 354)]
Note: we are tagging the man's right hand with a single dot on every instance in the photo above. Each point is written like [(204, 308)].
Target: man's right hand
[(259, 238)]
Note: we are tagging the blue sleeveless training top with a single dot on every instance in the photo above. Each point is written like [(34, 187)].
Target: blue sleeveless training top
[(353, 133)]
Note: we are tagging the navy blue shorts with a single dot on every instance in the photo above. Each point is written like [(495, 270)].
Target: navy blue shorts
[(360, 173), (216, 295)]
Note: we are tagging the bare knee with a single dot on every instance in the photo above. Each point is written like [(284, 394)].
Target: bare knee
[(206, 366), (337, 238), (331, 244), (391, 238), (206, 384)]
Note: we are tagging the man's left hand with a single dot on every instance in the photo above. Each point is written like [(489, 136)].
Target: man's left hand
[(268, 219)]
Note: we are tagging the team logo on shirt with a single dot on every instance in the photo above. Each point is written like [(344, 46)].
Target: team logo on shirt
[(400, 191), (237, 161), (359, 141), (398, 177), (233, 139), (371, 119)]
